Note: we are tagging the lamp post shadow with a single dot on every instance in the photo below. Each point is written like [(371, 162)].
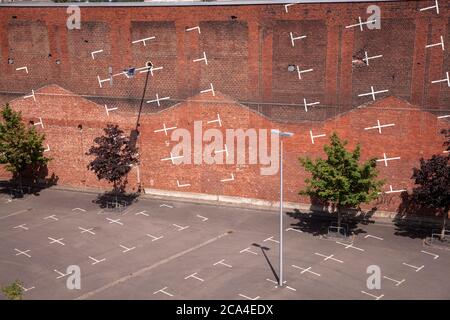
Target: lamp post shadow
[(263, 250)]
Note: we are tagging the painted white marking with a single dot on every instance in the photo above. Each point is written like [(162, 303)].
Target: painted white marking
[(80, 209), (222, 263), (328, 257), (153, 237), (349, 246), (171, 158), (292, 229), (442, 117), (110, 109), (367, 58), (182, 185), (442, 80), (295, 38), (180, 228), (151, 69), (165, 129), (317, 136), (96, 260), (216, 120), (31, 95), (40, 123), (25, 253), (194, 275), (249, 251), (23, 68), (276, 284), (379, 126), (56, 241), (437, 44), (87, 230), (373, 296), (223, 150), (305, 270), (22, 226), (436, 5), (299, 72), (94, 52), (228, 179), (271, 239), (53, 217), (435, 256), (165, 205), (385, 159), (48, 148), (126, 249), (26, 289), (372, 93), (370, 236), (309, 104), (158, 99), (163, 291), (211, 89), (100, 81), (397, 282), (392, 190), (202, 217), (143, 213), (194, 28), (61, 274), (202, 59), (288, 5), (143, 40), (248, 298), (414, 267), (360, 24), (117, 221)]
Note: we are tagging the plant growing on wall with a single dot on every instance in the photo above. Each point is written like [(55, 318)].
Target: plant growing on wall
[(114, 157), (20, 146), (14, 291), (340, 179)]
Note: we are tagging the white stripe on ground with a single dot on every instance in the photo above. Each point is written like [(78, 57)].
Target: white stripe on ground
[(145, 269), (14, 213)]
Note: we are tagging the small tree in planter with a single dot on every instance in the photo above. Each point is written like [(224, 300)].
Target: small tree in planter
[(114, 158), (14, 291), (20, 147), (340, 179)]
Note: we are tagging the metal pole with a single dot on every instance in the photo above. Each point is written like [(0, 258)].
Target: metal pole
[(281, 213)]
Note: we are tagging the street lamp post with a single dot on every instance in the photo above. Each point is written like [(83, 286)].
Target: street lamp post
[(281, 134)]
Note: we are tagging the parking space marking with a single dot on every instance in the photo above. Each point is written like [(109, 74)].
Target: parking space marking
[(328, 257), (350, 246), (61, 274), (126, 249), (22, 226), (276, 285), (414, 267), (79, 209), (166, 205), (222, 263), (370, 236), (373, 296), (15, 213), (114, 221), (26, 289), (248, 298), (202, 217), (53, 217), (397, 282), (96, 260), (271, 239), (292, 229), (248, 250), (25, 253), (143, 213), (435, 256), (180, 228), (87, 230), (194, 275), (56, 241), (305, 270), (163, 291), (153, 237)]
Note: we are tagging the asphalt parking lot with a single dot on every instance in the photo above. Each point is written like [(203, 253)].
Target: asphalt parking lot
[(159, 249)]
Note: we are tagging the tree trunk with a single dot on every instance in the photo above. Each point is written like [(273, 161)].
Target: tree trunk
[(20, 182), (339, 217), (444, 223)]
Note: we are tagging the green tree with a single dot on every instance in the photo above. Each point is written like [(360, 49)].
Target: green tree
[(14, 291), (340, 179), (20, 146)]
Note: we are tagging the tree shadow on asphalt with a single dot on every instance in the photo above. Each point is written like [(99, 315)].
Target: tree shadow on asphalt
[(317, 222), (116, 201)]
